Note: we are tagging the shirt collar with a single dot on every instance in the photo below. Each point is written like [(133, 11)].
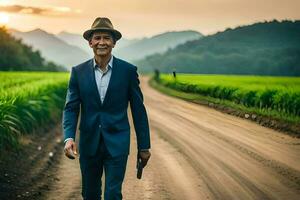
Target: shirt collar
[(110, 63)]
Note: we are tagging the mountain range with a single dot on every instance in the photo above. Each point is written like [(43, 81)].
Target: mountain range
[(17, 56), (264, 48), (52, 48), (69, 49), (141, 48)]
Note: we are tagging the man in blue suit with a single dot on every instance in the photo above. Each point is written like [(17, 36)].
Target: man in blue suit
[(101, 89)]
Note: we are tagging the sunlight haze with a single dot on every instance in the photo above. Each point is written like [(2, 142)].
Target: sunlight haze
[(140, 18)]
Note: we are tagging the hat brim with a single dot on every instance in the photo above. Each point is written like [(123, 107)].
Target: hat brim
[(87, 34)]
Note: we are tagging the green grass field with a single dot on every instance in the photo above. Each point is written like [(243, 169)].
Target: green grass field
[(277, 95), (29, 100)]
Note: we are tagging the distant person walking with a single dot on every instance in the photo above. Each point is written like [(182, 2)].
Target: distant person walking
[(101, 89), (174, 73), (156, 74)]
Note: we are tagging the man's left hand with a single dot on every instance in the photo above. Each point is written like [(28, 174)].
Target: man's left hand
[(145, 156)]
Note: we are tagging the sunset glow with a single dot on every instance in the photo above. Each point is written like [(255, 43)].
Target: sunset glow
[(4, 19), (140, 18)]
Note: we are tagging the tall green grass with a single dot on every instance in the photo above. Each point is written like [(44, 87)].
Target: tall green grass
[(29, 100), (279, 94)]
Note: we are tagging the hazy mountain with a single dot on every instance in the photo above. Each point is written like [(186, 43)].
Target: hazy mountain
[(79, 41), (123, 42), (266, 48), (16, 56), (76, 40), (69, 49), (134, 49), (52, 48), (138, 49)]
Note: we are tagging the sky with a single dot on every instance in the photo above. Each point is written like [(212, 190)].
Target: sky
[(143, 18)]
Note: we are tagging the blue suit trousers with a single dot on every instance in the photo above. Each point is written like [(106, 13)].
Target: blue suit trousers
[(92, 169)]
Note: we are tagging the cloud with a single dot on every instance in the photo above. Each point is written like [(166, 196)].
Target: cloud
[(43, 11)]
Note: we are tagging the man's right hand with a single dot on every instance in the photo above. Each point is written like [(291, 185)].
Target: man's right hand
[(70, 149)]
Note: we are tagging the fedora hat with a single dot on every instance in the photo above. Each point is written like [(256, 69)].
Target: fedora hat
[(102, 24)]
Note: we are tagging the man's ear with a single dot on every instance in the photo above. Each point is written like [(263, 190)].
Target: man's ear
[(90, 43)]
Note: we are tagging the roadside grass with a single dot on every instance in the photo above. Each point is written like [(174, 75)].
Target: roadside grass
[(28, 101)]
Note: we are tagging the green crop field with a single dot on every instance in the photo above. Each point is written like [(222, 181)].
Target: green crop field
[(280, 95), (29, 100)]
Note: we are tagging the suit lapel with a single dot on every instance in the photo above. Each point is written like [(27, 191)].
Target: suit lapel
[(93, 79), (111, 81)]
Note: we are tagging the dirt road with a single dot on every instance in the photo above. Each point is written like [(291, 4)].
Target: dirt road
[(199, 153)]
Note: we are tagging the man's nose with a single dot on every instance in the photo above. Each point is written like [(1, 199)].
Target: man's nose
[(101, 41)]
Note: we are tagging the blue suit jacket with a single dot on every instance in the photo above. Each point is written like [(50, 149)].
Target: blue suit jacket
[(110, 117)]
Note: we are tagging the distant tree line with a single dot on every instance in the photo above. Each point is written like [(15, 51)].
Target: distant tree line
[(16, 56), (267, 48)]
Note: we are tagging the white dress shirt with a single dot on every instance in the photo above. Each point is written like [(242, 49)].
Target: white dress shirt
[(103, 77)]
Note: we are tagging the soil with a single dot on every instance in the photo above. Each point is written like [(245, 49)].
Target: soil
[(28, 172)]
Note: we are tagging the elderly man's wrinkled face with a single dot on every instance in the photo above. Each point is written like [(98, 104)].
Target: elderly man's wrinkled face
[(102, 43)]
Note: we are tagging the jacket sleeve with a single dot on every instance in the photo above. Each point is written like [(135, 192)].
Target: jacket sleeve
[(71, 108), (139, 114)]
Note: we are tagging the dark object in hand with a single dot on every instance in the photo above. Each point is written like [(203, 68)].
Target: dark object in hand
[(139, 167), (70, 154), (71, 157)]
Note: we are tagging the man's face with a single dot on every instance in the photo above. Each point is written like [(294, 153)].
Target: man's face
[(102, 43)]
